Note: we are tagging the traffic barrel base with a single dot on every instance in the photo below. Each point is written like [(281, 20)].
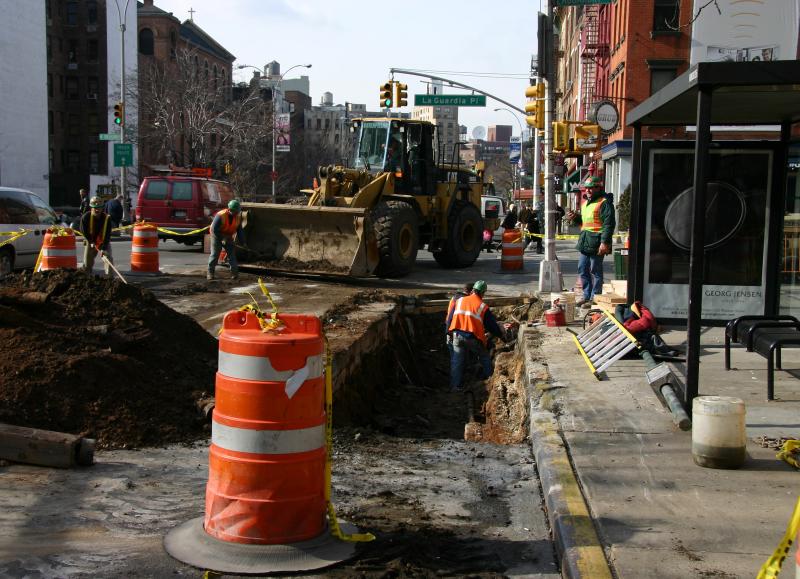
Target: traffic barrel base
[(190, 544)]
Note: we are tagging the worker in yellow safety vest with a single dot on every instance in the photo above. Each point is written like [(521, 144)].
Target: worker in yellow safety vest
[(597, 222)]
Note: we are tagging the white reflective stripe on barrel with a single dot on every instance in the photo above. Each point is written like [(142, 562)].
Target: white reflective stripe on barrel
[(512, 245), (145, 233), (259, 368), (142, 249), (267, 441), (47, 252), (511, 258)]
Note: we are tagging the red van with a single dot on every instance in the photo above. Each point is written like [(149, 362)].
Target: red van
[(181, 203)]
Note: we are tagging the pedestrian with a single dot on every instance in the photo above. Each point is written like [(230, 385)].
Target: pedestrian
[(226, 229), (534, 231), (95, 227), (559, 220), (596, 219), (524, 213), (114, 209), (510, 220), (468, 320), (84, 201)]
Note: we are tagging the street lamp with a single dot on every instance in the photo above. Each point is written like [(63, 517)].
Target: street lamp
[(521, 148), (277, 86)]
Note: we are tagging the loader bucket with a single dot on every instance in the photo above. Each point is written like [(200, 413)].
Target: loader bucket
[(320, 240)]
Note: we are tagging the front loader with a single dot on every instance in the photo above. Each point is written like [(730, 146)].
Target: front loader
[(371, 218)]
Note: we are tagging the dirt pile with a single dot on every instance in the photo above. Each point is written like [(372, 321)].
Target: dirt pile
[(95, 357)]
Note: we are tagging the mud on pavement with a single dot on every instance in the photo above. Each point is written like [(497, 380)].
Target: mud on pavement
[(438, 504)]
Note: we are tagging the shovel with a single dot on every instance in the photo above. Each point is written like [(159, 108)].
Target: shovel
[(111, 265)]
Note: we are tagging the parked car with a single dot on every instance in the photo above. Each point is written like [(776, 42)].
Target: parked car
[(21, 209), (493, 211), (181, 204)]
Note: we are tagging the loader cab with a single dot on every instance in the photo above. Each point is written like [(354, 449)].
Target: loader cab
[(400, 147)]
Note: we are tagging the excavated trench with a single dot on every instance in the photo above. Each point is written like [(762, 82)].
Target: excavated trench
[(401, 387)]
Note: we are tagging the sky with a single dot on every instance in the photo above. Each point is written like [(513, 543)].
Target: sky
[(352, 45)]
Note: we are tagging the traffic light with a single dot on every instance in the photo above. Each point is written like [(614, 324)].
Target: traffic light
[(386, 95), (401, 95), (535, 108), (119, 114), (560, 137)]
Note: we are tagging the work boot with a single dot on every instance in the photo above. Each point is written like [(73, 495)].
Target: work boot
[(235, 276), (209, 275)]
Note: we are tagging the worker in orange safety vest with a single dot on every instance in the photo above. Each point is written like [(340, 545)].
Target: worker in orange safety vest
[(226, 229), (468, 320)]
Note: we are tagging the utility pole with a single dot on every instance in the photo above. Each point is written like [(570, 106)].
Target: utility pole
[(126, 200), (550, 279)]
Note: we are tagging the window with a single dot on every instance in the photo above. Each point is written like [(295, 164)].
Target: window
[(156, 190), (666, 15), (51, 160), (73, 161), (50, 128), (205, 69), (173, 43), (182, 191), (327, 124), (94, 161), (49, 84), (72, 88), (93, 86), (18, 209), (49, 49), (146, 43), (319, 124), (91, 50), (216, 77), (661, 77), (74, 125), (44, 215), (72, 13), (91, 12), (72, 54), (93, 124)]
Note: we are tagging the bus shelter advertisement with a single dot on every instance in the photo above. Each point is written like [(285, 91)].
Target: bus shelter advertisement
[(736, 220)]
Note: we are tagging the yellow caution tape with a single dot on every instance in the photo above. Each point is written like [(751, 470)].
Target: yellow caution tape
[(788, 453), (267, 321), (555, 236), (193, 232), (772, 568), (13, 236), (336, 530)]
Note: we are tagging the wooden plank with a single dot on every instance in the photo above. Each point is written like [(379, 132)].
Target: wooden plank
[(44, 447)]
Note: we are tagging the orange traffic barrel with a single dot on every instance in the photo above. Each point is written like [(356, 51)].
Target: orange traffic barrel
[(144, 249), (58, 249), (266, 481), (511, 256)]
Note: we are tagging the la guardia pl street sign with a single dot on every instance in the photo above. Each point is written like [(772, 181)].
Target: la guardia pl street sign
[(449, 100)]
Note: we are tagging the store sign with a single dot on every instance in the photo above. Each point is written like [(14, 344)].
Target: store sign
[(606, 115), (736, 221)]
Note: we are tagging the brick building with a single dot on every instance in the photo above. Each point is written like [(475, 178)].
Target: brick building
[(160, 38)]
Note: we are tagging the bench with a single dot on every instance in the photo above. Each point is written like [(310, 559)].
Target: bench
[(765, 335)]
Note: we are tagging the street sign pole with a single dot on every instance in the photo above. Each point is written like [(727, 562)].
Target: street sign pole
[(550, 279)]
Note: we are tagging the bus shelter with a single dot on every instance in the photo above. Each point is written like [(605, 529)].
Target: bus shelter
[(708, 239)]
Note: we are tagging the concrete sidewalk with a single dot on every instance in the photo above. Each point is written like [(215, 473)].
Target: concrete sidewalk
[(657, 514)]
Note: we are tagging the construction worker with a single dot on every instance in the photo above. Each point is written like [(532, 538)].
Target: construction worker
[(597, 222), (95, 226), (465, 291), (225, 229), (468, 320)]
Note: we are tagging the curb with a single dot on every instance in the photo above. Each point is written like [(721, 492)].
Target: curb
[(579, 548)]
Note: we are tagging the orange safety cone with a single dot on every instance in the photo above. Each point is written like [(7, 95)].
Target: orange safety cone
[(511, 256), (266, 493), (144, 248), (58, 250)]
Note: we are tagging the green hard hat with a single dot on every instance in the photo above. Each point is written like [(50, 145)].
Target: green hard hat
[(479, 287), (234, 206), (591, 182)]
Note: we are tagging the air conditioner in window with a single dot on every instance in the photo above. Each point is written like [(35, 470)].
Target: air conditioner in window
[(91, 28), (92, 96)]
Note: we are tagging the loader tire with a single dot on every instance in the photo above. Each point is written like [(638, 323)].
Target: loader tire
[(397, 233), (464, 237)]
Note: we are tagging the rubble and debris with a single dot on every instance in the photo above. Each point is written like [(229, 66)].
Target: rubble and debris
[(97, 358)]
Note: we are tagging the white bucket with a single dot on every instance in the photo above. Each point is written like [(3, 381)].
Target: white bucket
[(567, 301), (718, 432)]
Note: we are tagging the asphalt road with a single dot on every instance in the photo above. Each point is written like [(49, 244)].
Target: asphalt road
[(176, 258)]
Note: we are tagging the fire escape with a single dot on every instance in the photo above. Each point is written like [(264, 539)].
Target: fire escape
[(594, 49)]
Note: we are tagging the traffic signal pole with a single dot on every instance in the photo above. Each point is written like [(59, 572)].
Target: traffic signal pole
[(126, 200), (550, 279)]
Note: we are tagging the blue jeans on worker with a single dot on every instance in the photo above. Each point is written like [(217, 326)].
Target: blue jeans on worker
[(465, 348), (590, 270), (216, 248)]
